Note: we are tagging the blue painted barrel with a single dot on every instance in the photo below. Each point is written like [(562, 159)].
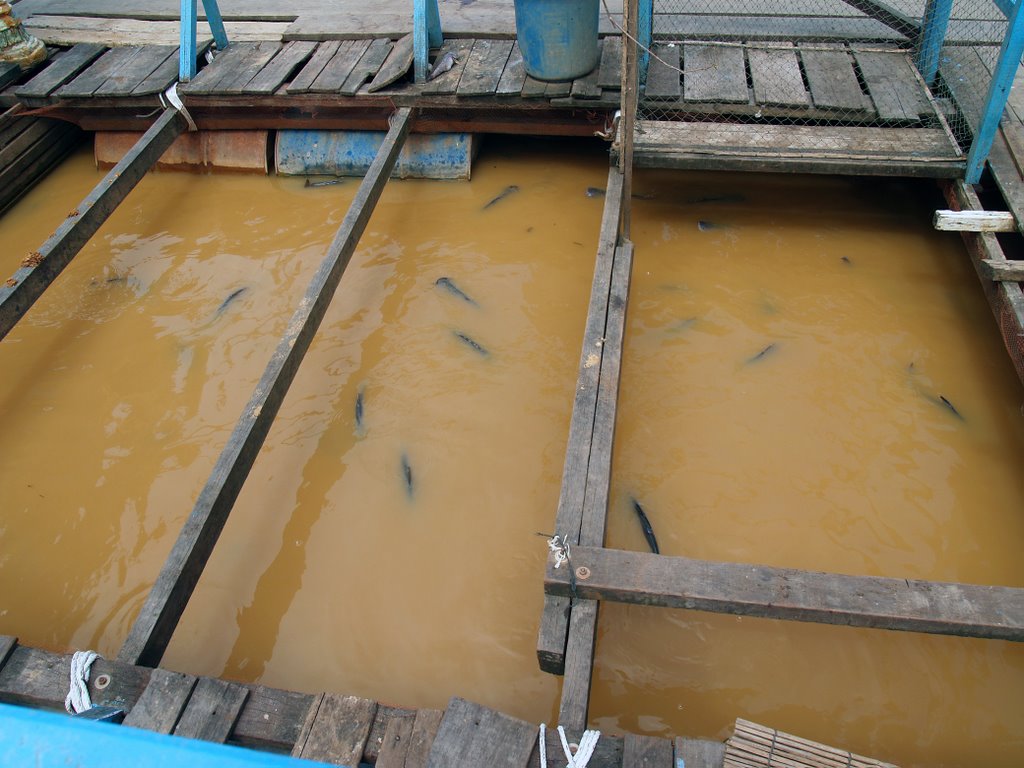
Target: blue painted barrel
[(558, 38), (349, 153)]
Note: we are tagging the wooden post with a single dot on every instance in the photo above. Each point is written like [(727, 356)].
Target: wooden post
[(42, 267), (426, 34), (187, 42), (931, 37), (216, 22), (629, 106), (165, 603)]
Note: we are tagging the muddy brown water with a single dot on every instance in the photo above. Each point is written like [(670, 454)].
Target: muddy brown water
[(395, 558)]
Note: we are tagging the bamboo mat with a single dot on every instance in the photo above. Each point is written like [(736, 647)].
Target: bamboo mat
[(755, 746)]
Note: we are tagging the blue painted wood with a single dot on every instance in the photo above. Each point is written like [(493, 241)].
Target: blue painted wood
[(1006, 6), (426, 34), (933, 32), (998, 92), (47, 740), (187, 50), (220, 35), (645, 24)]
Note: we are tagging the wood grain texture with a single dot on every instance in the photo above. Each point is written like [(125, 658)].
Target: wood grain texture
[(394, 748), (424, 731), (514, 76), (484, 68), (448, 82), (220, 70), (130, 76), (474, 735), (964, 610), (96, 74), (647, 752), (894, 87), (313, 67), (395, 66), (775, 73), (700, 753), (367, 66), (714, 73), (64, 67), (832, 79), (663, 78), (292, 56), (974, 221), (337, 731), (212, 710), (609, 71), (337, 70), (162, 702), (7, 646), (248, 67)]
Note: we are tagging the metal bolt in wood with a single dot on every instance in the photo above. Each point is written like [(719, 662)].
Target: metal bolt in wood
[(583, 573)]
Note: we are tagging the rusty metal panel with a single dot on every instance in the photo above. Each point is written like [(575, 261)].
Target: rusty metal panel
[(238, 151)]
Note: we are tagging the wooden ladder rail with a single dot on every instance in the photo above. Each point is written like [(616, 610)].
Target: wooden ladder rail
[(41, 268), (166, 601)]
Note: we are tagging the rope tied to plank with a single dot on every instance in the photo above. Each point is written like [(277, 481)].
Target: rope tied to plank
[(78, 696), (560, 546), (171, 98), (584, 751)]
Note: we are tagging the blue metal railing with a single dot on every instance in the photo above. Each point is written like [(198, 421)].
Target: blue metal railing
[(187, 49)]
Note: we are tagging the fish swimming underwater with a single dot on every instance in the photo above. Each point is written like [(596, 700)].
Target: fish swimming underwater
[(407, 476), (652, 542), (472, 344), (454, 290), (324, 183), (235, 294), (512, 188), (762, 354), (359, 409)]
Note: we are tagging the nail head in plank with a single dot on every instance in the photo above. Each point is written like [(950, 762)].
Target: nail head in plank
[(339, 67), (474, 735), (1004, 271), (714, 73), (974, 221), (41, 267), (663, 79), (700, 753), (162, 702), (894, 86), (248, 67), (7, 646), (132, 74), (512, 79), (62, 69), (483, 70), (396, 742), (448, 82), (166, 601), (832, 78), (338, 730), (367, 66), (775, 72), (964, 610), (293, 55), (395, 66), (98, 73), (609, 73), (647, 752), (424, 731), (212, 710)]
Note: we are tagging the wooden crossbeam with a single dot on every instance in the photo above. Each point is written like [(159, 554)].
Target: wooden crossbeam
[(1004, 270), (974, 221), (887, 15), (159, 616), (40, 268), (965, 610)]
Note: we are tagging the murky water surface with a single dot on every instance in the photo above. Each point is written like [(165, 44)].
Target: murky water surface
[(790, 343)]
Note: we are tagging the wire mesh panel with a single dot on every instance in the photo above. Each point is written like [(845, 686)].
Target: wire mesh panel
[(779, 73)]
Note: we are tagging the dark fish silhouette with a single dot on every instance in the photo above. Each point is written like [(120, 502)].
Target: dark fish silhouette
[(652, 542), (229, 300), (595, 192), (407, 475), (941, 400), (478, 348), (684, 325), (708, 226), (454, 290), (359, 410), (762, 354), (326, 183), (504, 193), (952, 408), (726, 198), (846, 260)]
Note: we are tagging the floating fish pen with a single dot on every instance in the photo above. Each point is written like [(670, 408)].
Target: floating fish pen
[(354, 452)]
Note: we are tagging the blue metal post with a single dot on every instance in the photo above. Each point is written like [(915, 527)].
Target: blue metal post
[(933, 32), (645, 22), (187, 50), (220, 36), (426, 34), (998, 92)]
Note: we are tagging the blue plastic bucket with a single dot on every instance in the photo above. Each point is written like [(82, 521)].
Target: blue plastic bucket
[(558, 38)]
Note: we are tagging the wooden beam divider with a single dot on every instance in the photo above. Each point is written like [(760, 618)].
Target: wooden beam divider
[(165, 603), (964, 610)]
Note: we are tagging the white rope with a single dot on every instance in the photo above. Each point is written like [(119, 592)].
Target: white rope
[(78, 696), (543, 747), (172, 98), (583, 752), (560, 546)]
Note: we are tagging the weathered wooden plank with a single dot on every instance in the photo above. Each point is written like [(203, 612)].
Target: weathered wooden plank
[(395, 746), (166, 74), (448, 82), (424, 731), (7, 646), (586, 87), (554, 627), (484, 68), (220, 70), (647, 752), (889, 16), (163, 607), (533, 88), (609, 72), (557, 90), (974, 221), (338, 730), (367, 66), (395, 66), (579, 653), (832, 78), (133, 74), (1004, 271), (41, 267), (339, 67), (34, 165), (212, 710), (109, 64), (292, 56), (514, 76), (22, 141), (312, 69), (77, 29), (700, 753), (894, 86), (9, 72), (714, 73), (162, 702), (474, 735), (775, 73), (64, 67), (663, 78), (910, 605), (248, 67)]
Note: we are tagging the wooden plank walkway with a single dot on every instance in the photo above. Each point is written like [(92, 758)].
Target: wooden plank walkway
[(333, 728)]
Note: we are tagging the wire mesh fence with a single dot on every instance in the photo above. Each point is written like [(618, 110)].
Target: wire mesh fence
[(843, 63)]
